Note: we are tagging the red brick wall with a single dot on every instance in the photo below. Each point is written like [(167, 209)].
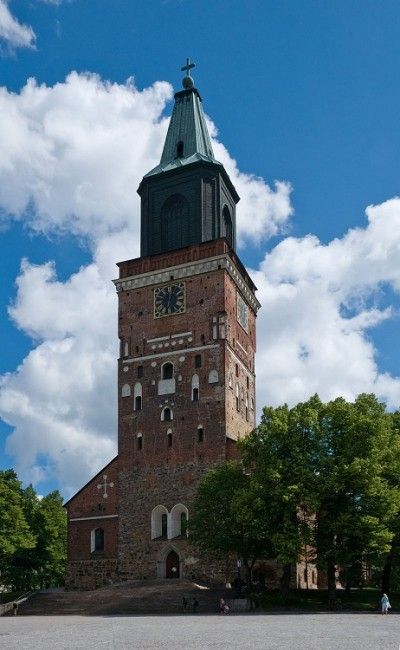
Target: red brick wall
[(90, 503), (158, 474), (79, 535), (208, 295)]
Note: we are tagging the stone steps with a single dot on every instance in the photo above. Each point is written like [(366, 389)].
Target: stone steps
[(146, 597)]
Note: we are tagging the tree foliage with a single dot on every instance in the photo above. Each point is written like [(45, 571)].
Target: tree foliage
[(357, 455), (33, 534), (225, 518), (315, 477)]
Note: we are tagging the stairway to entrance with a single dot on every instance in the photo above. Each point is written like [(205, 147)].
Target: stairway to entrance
[(135, 597)]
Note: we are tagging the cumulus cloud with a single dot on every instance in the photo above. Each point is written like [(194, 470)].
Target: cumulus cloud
[(79, 148), (52, 399), (72, 157), (12, 33), (317, 312)]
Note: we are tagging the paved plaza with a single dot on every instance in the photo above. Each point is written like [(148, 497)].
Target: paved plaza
[(252, 632)]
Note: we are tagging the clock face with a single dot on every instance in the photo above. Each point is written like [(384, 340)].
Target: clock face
[(169, 300), (242, 312)]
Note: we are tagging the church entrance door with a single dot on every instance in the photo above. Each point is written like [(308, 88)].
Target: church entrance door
[(172, 565)]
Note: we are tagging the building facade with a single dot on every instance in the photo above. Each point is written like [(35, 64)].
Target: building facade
[(186, 381)]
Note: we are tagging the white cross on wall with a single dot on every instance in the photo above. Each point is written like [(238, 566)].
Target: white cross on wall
[(105, 485)]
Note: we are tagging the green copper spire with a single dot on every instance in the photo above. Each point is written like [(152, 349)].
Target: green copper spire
[(188, 199), (187, 140)]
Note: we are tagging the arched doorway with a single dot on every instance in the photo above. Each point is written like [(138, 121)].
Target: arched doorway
[(172, 565)]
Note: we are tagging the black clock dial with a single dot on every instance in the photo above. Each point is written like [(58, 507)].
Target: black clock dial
[(169, 300)]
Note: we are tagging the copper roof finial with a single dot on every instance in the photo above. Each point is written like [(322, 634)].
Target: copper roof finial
[(187, 81)]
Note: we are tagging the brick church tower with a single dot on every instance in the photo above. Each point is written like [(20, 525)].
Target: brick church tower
[(186, 383)]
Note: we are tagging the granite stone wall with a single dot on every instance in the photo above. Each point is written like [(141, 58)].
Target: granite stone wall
[(91, 574)]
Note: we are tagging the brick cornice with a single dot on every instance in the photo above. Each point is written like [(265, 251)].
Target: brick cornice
[(187, 270)]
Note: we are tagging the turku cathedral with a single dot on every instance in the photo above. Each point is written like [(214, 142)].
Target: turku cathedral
[(186, 383)]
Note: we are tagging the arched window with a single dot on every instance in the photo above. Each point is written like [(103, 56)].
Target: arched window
[(167, 370), (197, 361), (166, 414), (137, 396), (214, 328), (237, 398), (139, 441), (126, 349), (183, 523), (195, 388), (164, 526), (213, 377), (228, 226), (222, 327), (159, 515), (169, 439), (200, 434), (140, 371), (175, 223), (179, 149), (125, 390), (97, 540), (178, 521)]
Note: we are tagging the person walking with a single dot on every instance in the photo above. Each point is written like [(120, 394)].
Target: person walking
[(385, 604)]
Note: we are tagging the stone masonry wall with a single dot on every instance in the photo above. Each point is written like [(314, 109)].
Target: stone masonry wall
[(91, 574), (139, 555)]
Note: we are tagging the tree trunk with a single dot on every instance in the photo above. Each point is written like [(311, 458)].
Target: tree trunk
[(331, 578), (285, 580), (248, 567), (387, 569)]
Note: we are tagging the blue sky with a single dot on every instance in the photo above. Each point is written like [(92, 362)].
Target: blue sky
[(306, 93)]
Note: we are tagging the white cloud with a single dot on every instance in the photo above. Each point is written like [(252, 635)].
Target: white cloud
[(306, 342), (80, 148), (71, 159), (52, 399), (13, 33)]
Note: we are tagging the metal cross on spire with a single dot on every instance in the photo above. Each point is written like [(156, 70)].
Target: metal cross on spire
[(189, 65), (104, 486)]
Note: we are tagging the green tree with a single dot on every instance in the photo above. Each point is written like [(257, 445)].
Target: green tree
[(357, 502), (280, 455), (16, 537), (44, 564), (225, 517), (316, 477), (52, 540), (391, 564), (33, 536)]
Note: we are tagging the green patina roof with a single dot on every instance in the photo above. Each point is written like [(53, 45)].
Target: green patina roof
[(189, 127)]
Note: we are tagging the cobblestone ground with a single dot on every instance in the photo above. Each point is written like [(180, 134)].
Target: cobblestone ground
[(257, 632)]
